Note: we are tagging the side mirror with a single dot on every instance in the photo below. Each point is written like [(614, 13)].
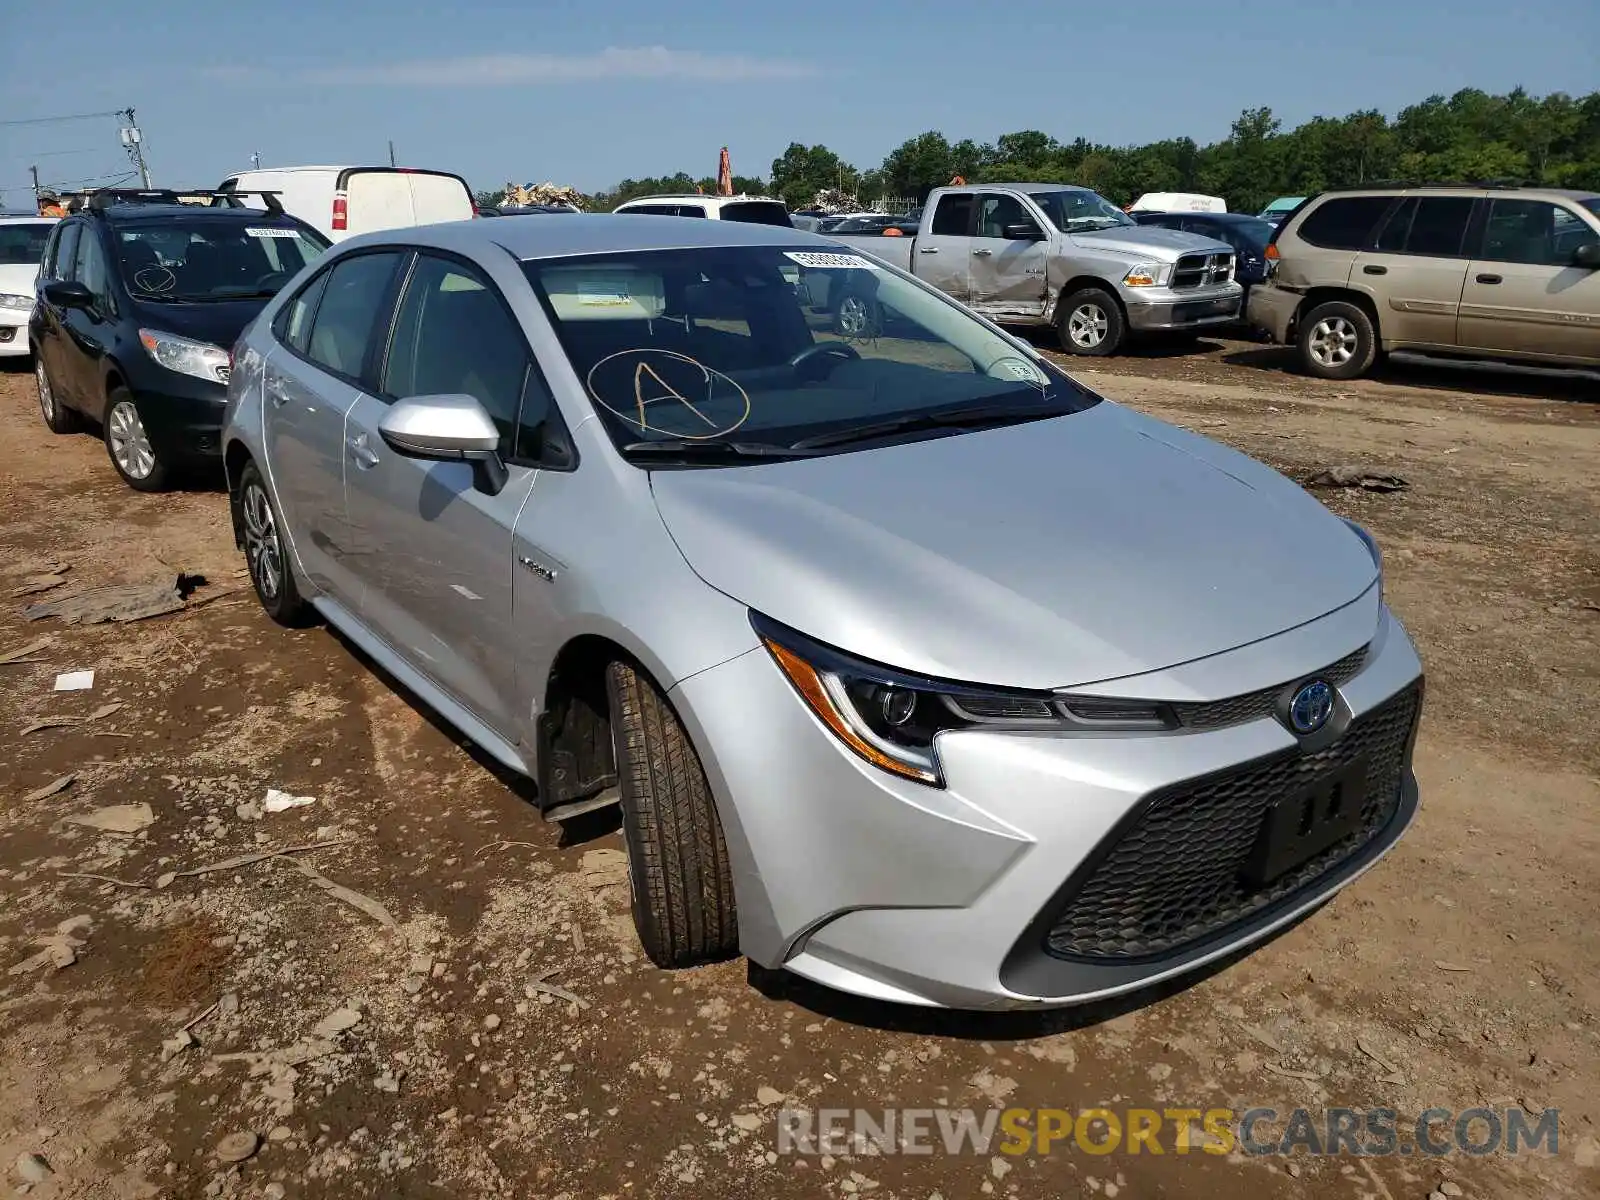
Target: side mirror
[(448, 428), (1023, 232), (68, 293), (1587, 255)]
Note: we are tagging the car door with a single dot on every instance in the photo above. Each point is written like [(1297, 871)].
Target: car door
[(309, 383), (1008, 270), (433, 552), (51, 321), (1525, 293), (89, 329), (944, 253), (1416, 267)]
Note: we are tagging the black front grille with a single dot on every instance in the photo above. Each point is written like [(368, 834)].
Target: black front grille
[(1252, 706), (1175, 876)]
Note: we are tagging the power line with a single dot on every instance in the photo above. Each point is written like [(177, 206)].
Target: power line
[(53, 120)]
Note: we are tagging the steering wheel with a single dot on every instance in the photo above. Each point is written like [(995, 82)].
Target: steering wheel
[(825, 354)]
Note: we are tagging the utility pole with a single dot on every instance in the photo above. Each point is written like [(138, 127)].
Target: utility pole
[(35, 171), (391, 152), (255, 159), (133, 142)]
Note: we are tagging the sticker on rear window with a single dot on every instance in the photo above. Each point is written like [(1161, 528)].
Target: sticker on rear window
[(268, 231), (815, 258)]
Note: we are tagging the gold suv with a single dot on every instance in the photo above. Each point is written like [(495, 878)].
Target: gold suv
[(1476, 272)]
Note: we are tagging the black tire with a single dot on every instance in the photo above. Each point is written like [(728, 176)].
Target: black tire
[(677, 859), (124, 427), (1090, 322), (1337, 341), (58, 418), (261, 529)]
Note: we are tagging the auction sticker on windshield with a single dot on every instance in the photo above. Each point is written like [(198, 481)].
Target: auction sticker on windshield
[(265, 231), (816, 258)]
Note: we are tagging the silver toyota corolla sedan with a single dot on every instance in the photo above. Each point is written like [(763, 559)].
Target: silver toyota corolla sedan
[(918, 669)]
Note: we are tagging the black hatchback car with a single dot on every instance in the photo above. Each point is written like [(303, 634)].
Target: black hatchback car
[(1246, 234), (139, 299)]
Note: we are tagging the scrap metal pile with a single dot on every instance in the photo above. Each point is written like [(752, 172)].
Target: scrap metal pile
[(543, 193)]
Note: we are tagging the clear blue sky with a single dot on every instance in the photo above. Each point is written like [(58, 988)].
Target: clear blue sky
[(585, 93)]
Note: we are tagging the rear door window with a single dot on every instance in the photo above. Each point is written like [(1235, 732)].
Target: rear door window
[(1440, 226), (952, 217), (1344, 223), (354, 307)]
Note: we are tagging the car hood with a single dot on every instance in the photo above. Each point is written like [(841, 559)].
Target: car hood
[(219, 322), (17, 279), (1152, 241), (1050, 554)]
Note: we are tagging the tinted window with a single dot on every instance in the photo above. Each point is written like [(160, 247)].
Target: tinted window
[(22, 244), (995, 212), (953, 216), (1440, 226), (293, 325), (689, 210), (761, 212), (67, 250), (349, 312), (91, 268), (453, 336), (1345, 223), (1392, 237), (1535, 232)]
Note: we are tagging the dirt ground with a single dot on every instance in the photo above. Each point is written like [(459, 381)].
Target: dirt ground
[(431, 1047)]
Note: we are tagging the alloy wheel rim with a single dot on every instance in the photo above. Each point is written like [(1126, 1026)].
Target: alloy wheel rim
[(1333, 341), (263, 550), (130, 445), (47, 399), (852, 315), (1087, 326)]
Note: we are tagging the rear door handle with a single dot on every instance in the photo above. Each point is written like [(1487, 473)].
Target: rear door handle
[(1374, 269), (1488, 279), (361, 452), (927, 249), (982, 253)]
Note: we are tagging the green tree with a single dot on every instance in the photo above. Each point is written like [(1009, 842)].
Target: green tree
[(919, 165), (803, 171)]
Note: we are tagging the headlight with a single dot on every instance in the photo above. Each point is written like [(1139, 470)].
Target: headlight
[(9, 300), (1149, 275), (1372, 548), (892, 718), (180, 354)]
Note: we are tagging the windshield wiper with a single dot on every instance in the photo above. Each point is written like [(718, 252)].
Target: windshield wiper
[(983, 414), (710, 448)]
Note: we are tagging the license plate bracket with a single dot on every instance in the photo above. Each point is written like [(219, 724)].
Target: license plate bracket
[(1301, 826)]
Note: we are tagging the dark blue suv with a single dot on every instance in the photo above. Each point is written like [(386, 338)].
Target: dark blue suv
[(1246, 234), (140, 298)]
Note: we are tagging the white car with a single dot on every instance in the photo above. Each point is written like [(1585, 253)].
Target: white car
[(22, 241), (340, 202), (752, 210)]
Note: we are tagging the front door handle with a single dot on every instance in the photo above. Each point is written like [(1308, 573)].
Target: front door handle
[(982, 253), (361, 452), (1374, 269), (927, 249), (1488, 279)]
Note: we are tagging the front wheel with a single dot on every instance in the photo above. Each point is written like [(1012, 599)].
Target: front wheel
[(128, 443), (1090, 322), (1337, 341), (677, 858)]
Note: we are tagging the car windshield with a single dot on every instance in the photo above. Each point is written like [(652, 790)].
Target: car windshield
[(1075, 210), (22, 242), (753, 349), (177, 261)]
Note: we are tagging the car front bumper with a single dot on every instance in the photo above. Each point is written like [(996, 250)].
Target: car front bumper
[(183, 417), (1166, 310), (14, 332), (956, 896)]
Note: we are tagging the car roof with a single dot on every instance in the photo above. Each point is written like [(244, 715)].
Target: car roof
[(1019, 187), (588, 233), (699, 198), (202, 212), (23, 219), (1204, 216)]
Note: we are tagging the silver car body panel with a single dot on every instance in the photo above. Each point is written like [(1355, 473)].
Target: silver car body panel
[(1103, 551)]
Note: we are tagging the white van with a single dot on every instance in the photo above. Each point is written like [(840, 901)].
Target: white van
[(1178, 202), (341, 202), (753, 210)]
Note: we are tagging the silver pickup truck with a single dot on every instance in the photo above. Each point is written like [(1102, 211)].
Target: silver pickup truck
[(1048, 254)]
